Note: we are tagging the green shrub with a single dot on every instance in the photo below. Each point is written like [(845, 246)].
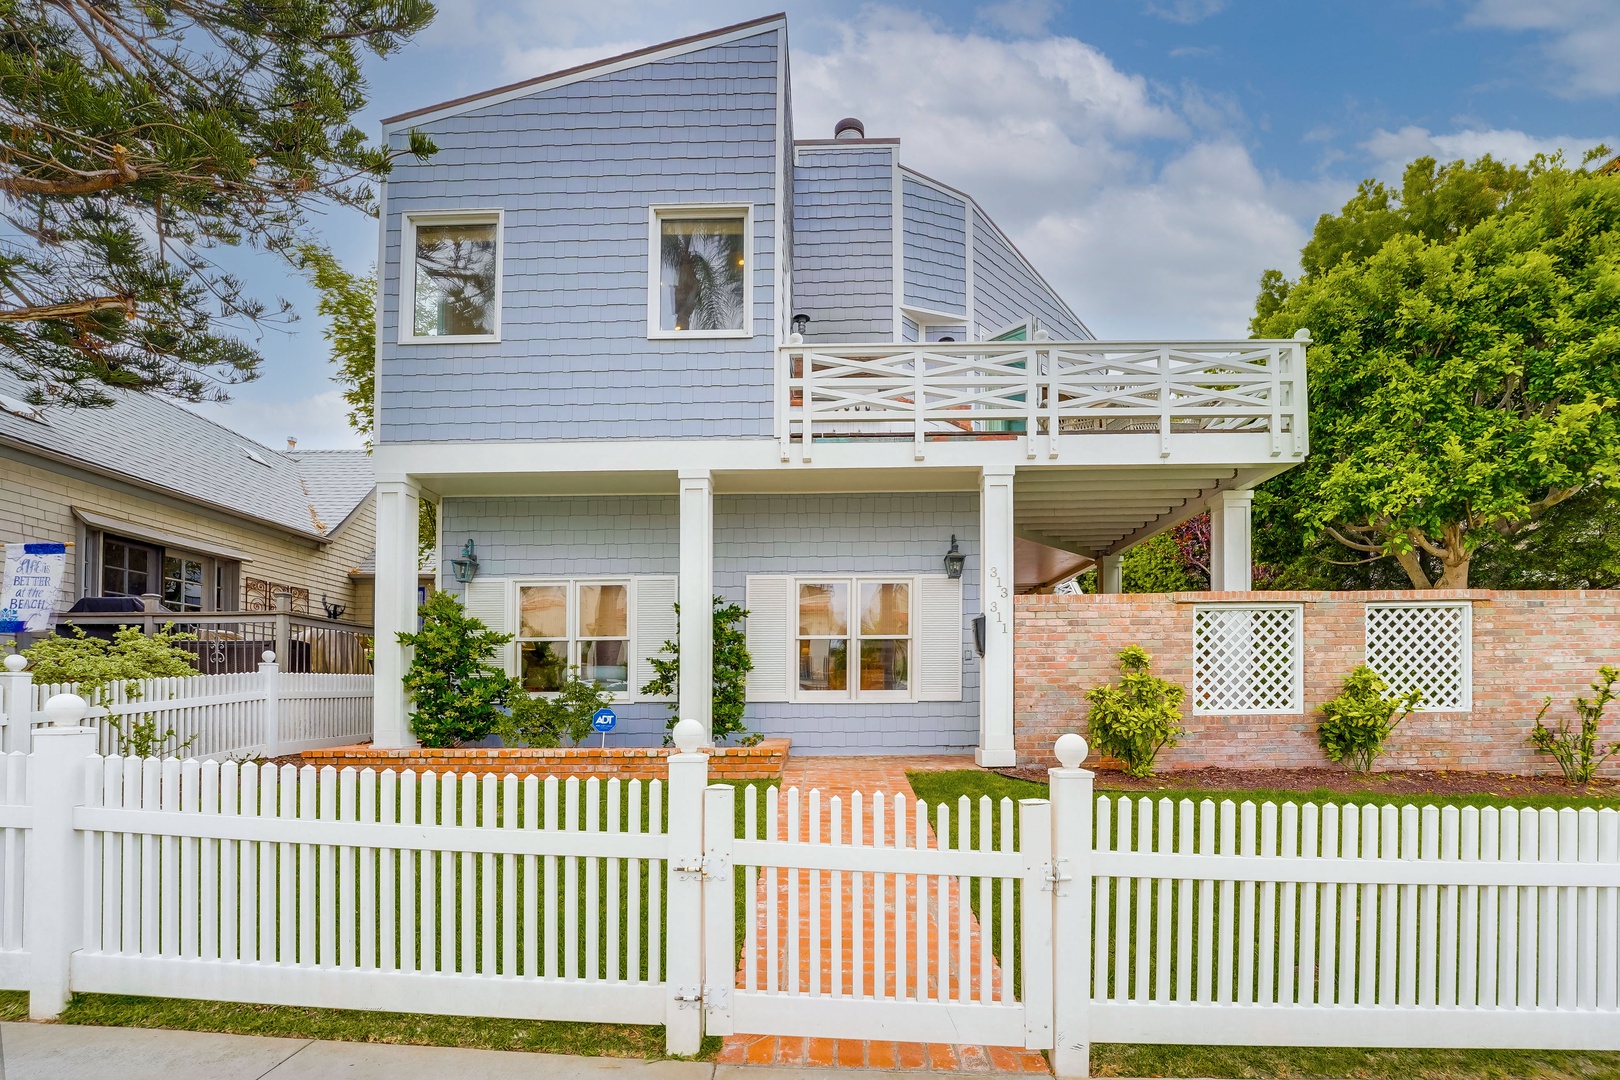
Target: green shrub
[(1356, 724), (1136, 719), (731, 667), (456, 692), (545, 721), (1577, 752), (96, 665)]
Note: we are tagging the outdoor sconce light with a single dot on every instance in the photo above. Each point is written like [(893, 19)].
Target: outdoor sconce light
[(466, 567), (800, 322), (954, 561)]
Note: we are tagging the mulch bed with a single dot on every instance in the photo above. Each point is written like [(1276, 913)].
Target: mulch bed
[(1340, 781)]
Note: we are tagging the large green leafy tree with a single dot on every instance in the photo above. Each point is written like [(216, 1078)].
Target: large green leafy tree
[(1465, 376), (139, 138)]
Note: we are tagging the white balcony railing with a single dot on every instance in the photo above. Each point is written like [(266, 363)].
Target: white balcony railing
[(1044, 393)]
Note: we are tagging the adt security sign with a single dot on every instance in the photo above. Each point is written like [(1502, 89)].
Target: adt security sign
[(603, 720)]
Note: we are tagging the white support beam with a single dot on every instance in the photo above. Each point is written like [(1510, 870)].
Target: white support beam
[(696, 595), (1230, 556), (996, 599), (1110, 578), (398, 509)]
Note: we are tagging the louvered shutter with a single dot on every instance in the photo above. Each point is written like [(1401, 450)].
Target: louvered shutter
[(652, 624), (489, 600), (939, 638), (770, 609)]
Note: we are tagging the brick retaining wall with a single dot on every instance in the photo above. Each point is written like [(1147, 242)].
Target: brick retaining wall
[(1526, 645), (762, 762)]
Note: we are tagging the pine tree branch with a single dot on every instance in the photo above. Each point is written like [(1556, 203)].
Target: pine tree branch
[(69, 310), (80, 183)]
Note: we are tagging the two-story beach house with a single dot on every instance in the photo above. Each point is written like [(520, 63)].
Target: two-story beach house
[(643, 345)]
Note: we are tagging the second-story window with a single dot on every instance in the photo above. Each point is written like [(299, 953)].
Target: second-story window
[(699, 272), (452, 284)]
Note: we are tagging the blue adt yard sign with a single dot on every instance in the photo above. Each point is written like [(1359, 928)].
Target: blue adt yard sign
[(603, 720)]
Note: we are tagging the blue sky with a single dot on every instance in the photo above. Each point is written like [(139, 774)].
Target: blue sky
[(1152, 157)]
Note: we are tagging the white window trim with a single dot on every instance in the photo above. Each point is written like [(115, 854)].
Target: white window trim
[(656, 213), (631, 691), (854, 695), (407, 272), (1467, 674)]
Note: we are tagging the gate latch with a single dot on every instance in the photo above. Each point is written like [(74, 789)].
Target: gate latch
[(705, 869), (689, 997), (1055, 877)]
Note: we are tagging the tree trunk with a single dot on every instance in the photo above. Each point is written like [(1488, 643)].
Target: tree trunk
[(1455, 575), (1414, 569)]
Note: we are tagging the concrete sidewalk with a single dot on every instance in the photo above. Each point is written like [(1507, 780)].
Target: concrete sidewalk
[(75, 1052)]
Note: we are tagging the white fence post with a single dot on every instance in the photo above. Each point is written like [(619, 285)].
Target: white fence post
[(719, 908), (270, 674), (683, 972), (53, 886), (17, 704), (1071, 795)]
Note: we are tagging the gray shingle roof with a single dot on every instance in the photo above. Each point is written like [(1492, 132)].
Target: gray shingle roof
[(158, 443)]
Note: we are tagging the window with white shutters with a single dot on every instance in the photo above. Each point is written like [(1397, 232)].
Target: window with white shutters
[(653, 624), (489, 600), (766, 631)]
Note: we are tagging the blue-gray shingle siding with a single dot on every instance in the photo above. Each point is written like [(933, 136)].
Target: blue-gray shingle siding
[(843, 242), (935, 248), (1005, 291), (903, 533), (575, 169)]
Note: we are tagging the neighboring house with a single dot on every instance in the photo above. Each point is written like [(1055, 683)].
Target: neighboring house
[(157, 499), (642, 345)]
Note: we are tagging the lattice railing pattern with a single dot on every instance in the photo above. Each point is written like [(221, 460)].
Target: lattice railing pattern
[(1424, 647), (1247, 659), (932, 392)]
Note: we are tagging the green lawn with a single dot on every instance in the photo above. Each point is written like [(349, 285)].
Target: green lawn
[(1293, 1063)]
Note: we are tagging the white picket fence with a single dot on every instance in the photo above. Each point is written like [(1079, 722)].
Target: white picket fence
[(265, 713), (1044, 924)]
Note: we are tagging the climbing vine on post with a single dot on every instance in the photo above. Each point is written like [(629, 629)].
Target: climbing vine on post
[(731, 667)]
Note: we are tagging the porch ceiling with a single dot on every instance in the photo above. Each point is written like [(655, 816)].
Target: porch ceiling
[(1095, 512)]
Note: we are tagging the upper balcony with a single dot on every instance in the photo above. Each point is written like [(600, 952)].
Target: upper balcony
[(1146, 402)]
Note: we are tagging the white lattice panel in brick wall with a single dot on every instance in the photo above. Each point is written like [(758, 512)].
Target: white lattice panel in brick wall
[(1247, 659), (1424, 647)]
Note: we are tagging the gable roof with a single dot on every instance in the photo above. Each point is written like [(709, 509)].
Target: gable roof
[(582, 71), (154, 443)]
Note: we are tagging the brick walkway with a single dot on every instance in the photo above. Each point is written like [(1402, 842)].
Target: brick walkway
[(843, 777)]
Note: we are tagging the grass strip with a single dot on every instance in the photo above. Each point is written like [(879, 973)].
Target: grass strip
[(360, 1025), (1317, 1063)]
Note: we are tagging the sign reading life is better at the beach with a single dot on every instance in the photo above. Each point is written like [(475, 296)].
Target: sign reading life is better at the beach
[(29, 591)]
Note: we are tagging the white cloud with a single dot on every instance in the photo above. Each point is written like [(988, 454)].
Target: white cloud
[(1185, 12), (320, 422), (1393, 149), (1580, 38), (1025, 18)]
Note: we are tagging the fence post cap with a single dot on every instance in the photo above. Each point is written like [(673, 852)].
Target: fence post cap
[(16, 662), (1071, 750), (268, 656), (65, 710), (688, 735)]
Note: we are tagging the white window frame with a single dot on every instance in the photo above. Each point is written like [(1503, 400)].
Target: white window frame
[(657, 213), (853, 695), (572, 584), (407, 272), (1467, 673)]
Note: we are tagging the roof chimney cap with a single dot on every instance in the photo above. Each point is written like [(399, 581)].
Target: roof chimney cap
[(849, 128), (292, 443)]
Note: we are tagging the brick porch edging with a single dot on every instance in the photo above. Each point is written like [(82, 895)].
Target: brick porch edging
[(762, 762)]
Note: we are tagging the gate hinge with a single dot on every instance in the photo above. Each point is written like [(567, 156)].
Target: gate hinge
[(714, 997), (1054, 875)]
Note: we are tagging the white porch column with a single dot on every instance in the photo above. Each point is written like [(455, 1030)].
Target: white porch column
[(1110, 577), (996, 601), (696, 593), (398, 503), (1230, 558)]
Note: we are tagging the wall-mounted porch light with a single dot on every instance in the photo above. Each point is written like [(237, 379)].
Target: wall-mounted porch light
[(466, 567), (954, 560), (800, 322)]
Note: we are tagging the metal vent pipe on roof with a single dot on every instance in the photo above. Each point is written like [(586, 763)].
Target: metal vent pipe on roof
[(849, 128)]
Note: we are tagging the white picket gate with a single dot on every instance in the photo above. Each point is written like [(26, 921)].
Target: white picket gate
[(829, 889)]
